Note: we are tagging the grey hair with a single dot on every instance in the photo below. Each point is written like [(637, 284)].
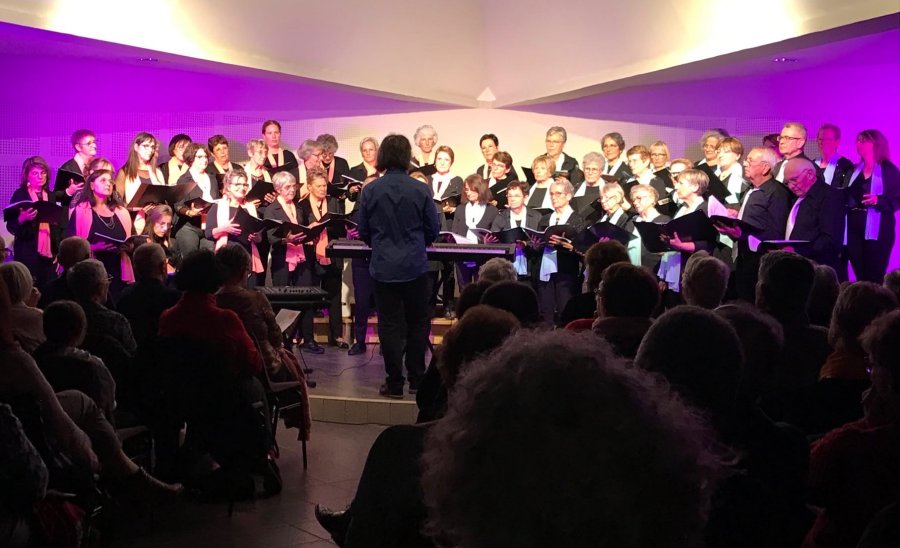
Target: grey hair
[(558, 130), (365, 140), (282, 178), (307, 148), (798, 126), (85, 278), (768, 155), (498, 270), (595, 158), (420, 129), (565, 183), (716, 132), (328, 141)]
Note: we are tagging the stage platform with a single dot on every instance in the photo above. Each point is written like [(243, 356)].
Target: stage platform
[(346, 389)]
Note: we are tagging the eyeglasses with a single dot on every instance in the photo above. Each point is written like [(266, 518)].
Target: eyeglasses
[(639, 198), (246, 185), (200, 156), (557, 193), (750, 162), (781, 138), (149, 145), (591, 169), (88, 143)]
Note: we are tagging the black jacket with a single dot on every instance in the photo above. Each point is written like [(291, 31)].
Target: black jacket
[(459, 220), (568, 262), (820, 220)]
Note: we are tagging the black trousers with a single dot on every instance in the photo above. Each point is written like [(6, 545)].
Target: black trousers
[(554, 294), (364, 292), (869, 258), (403, 318), (300, 277)]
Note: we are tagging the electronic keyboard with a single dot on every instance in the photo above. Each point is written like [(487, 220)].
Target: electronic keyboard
[(357, 249)]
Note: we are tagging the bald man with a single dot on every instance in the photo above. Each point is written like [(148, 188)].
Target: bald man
[(817, 214)]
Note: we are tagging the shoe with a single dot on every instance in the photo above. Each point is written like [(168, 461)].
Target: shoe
[(338, 343), (396, 394), (143, 487), (357, 348), (413, 388), (336, 523), (312, 347)]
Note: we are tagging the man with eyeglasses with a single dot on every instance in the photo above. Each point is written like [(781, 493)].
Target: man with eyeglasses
[(765, 206), (70, 177), (835, 168), (790, 145)]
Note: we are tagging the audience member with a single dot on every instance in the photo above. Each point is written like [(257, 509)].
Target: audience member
[(517, 298), (704, 280), (68, 367), (762, 504), (497, 270), (626, 298), (26, 317), (853, 469), (72, 250), (762, 340), (144, 301), (487, 483), (892, 282), (824, 294), (89, 284), (597, 258), (471, 297)]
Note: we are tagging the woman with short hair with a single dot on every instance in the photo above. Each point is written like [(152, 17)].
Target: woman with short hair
[(176, 166), (35, 243), (220, 225), (613, 146), (539, 194)]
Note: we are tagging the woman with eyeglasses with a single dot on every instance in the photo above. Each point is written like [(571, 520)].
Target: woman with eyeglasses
[(35, 243), (189, 228), (709, 144), (588, 192), (221, 228), (873, 197), (643, 199), (613, 145), (140, 168)]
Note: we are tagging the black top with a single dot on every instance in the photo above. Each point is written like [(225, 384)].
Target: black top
[(25, 244), (290, 165), (183, 219), (101, 225), (67, 172), (341, 167), (459, 225), (568, 262)]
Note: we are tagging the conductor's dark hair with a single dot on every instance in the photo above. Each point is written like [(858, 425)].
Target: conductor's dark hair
[(516, 298), (490, 136), (698, 352), (627, 291), (395, 152), (486, 482), (179, 138), (200, 273)]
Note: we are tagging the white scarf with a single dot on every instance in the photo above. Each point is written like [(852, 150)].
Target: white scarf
[(612, 168), (828, 173), (583, 187), (440, 184), (474, 214), (873, 216), (614, 218)]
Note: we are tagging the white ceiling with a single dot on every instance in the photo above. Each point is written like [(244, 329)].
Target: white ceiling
[(523, 50)]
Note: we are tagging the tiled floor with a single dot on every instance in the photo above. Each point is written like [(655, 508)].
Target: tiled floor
[(337, 453)]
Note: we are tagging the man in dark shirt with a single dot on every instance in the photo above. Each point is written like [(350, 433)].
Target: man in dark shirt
[(144, 301), (89, 284), (398, 220)]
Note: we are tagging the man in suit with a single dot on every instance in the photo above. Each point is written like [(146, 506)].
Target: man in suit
[(817, 215), (765, 206), (398, 219), (555, 142), (790, 145), (836, 169)]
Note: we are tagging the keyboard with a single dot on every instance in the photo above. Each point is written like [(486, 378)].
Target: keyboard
[(297, 298), (356, 249)]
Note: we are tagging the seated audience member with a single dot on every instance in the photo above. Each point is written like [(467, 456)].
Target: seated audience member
[(593, 462), (73, 423), (27, 319), (497, 270), (197, 316), (517, 298), (597, 258), (89, 284), (704, 281), (626, 298), (254, 310), (388, 508), (68, 367), (785, 282), (892, 282), (825, 291), (144, 301), (853, 469), (762, 504), (471, 297), (25, 479), (71, 250), (762, 340)]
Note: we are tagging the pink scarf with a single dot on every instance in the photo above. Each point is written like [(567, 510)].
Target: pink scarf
[(83, 221), (223, 218), (294, 255), (43, 243)]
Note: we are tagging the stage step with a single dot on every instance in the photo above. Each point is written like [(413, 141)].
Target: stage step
[(345, 410), (439, 326)]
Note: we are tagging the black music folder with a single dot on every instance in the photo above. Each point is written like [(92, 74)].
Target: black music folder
[(564, 232), (149, 194), (529, 175), (449, 201), (286, 167), (717, 189), (198, 203), (427, 171), (47, 212), (695, 226), (284, 228), (731, 222), (128, 244), (801, 247), (259, 191), (598, 231), (511, 235), (250, 224)]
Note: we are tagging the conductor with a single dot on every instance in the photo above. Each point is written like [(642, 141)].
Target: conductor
[(398, 219)]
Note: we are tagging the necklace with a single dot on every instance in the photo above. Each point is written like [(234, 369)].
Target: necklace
[(110, 224)]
